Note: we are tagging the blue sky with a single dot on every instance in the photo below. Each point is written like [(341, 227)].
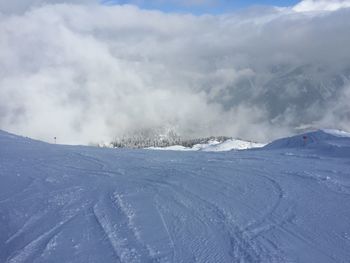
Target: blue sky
[(201, 6)]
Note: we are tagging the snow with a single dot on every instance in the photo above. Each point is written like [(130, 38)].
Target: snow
[(171, 148), (214, 146), (330, 142), (286, 202), (232, 144)]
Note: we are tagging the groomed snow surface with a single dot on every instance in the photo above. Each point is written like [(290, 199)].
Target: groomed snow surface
[(286, 202)]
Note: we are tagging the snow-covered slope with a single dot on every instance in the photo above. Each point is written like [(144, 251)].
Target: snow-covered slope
[(214, 146), (84, 204), (327, 141), (228, 145)]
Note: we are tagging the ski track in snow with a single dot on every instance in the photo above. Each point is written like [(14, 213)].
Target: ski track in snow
[(82, 204), (120, 235), (31, 250)]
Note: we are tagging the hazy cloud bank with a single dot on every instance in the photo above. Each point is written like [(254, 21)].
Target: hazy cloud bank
[(90, 73), (321, 5)]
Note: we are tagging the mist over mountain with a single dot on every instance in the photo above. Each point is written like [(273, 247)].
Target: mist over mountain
[(89, 73)]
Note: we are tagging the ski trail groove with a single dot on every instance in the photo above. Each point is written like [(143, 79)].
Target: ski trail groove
[(31, 250), (244, 249), (116, 227)]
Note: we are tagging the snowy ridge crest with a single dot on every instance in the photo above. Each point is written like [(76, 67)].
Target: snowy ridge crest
[(324, 140)]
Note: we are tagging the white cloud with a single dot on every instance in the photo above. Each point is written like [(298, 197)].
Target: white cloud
[(184, 3), (89, 73), (321, 5)]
